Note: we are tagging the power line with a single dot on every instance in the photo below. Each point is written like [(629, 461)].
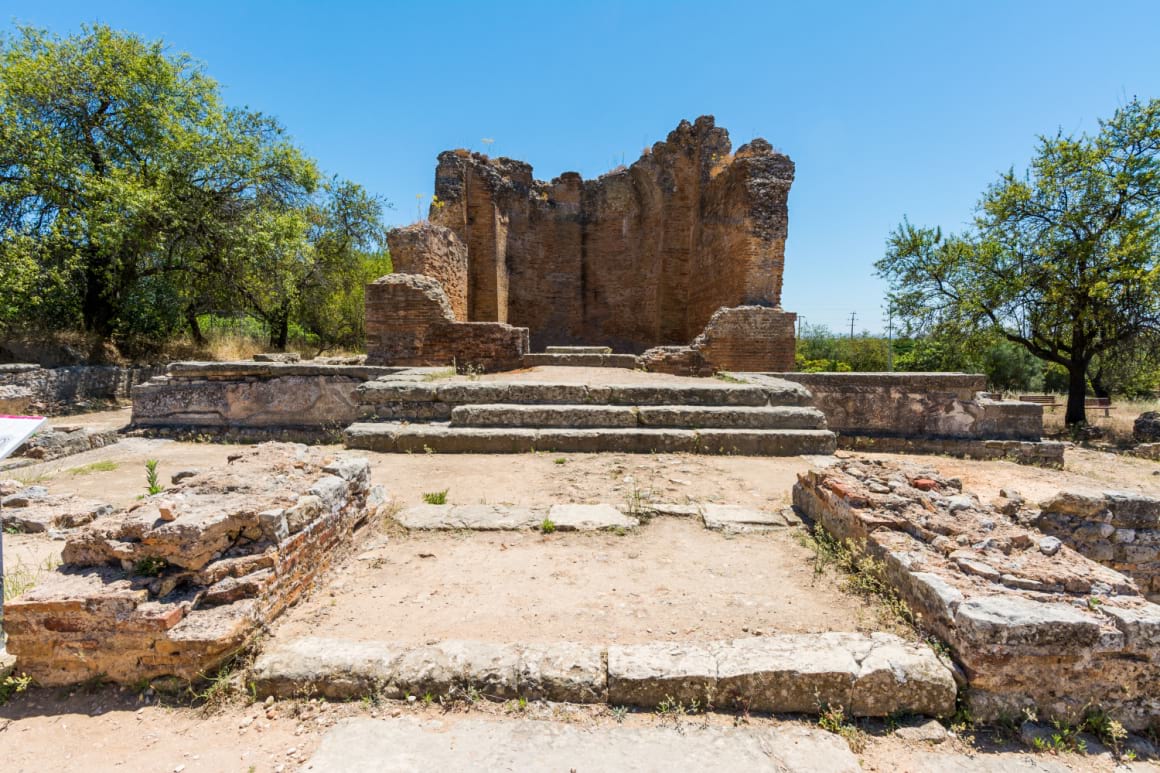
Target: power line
[(853, 316)]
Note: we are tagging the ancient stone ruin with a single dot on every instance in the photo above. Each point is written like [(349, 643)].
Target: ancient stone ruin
[(1032, 623), (182, 581), (682, 250)]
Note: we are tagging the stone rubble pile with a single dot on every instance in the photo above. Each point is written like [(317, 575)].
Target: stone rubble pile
[(178, 583), (32, 509), (1032, 622)]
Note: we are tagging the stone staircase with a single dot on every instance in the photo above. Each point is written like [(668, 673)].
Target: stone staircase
[(405, 412), (580, 356)]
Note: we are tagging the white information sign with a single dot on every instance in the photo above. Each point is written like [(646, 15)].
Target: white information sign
[(14, 430)]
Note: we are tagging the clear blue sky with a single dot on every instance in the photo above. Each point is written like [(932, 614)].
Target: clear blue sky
[(888, 109)]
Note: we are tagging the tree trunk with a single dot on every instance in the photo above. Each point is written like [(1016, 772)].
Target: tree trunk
[(194, 327), (1076, 392), (97, 312), (280, 331)]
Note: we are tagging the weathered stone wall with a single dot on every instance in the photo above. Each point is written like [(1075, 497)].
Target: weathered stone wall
[(1118, 529), (251, 395), (178, 584), (1033, 624), (434, 251), (409, 321), (641, 256), (932, 405), (54, 391)]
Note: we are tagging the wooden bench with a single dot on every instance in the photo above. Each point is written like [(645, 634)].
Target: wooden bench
[(1047, 401), (1099, 403)]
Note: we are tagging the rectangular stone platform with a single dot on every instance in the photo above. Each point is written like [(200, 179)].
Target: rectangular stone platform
[(580, 360)]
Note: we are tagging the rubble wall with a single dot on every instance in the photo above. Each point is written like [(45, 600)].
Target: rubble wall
[(1119, 529), (179, 583), (1032, 623), (26, 388)]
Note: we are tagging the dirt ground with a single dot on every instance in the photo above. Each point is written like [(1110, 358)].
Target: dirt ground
[(670, 579)]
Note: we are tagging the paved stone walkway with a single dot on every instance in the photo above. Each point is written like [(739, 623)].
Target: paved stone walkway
[(526, 745)]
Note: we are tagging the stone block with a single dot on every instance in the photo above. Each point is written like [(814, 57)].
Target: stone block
[(737, 519), (790, 674), (589, 518), (646, 675)]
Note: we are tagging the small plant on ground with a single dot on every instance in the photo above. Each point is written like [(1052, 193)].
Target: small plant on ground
[(619, 713), (865, 574), (560, 460), (547, 526), (149, 566), (152, 480), (13, 685), (833, 719), (436, 497), (102, 466)]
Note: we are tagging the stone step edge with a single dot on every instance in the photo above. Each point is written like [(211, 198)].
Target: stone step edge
[(595, 416), (874, 674), (440, 437), (589, 517)]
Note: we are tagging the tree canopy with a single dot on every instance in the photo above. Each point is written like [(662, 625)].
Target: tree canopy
[(132, 199), (1061, 260)]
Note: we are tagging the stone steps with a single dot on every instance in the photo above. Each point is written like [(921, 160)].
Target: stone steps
[(659, 416), (873, 675), (452, 393), (580, 360), (440, 437)]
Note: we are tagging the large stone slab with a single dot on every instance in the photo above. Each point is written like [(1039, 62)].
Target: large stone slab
[(474, 517), (736, 519), (590, 518), (731, 417), (335, 669), (517, 415), (411, 745), (785, 674)]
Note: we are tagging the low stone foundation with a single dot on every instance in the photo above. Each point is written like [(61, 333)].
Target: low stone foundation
[(410, 321), (1119, 529), (1043, 453), (930, 405), (253, 400), (1032, 623), (27, 388), (182, 581)]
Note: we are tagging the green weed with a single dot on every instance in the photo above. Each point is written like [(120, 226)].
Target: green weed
[(547, 526), (152, 480), (102, 466), (436, 497)]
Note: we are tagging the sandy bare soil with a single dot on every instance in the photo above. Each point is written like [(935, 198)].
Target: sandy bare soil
[(671, 579)]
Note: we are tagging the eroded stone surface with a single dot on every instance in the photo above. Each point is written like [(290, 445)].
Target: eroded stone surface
[(589, 518), (182, 580), (1031, 627), (734, 518), (477, 517), (534, 746), (32, 509)]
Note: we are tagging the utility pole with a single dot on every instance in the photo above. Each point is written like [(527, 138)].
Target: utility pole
[(890, 340), (853, 316), (801, 318)]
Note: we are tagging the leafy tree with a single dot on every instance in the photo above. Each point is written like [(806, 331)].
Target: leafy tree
[(124, 182), (1061, 260)]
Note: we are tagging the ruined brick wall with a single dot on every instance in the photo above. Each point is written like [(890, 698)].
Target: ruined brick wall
[(437, 252), (749, 338), (409, 321), (233, 549), (641, 256)]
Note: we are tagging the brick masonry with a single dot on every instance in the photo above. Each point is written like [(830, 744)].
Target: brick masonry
[(642, 256), (233, 548), (430, 250), (409, 321)]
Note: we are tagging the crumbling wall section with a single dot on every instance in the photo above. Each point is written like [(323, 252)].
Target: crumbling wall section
[(434, 251), (179, 583), (641, 256), (1119, 529), (1033, 624), (409, 321)]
